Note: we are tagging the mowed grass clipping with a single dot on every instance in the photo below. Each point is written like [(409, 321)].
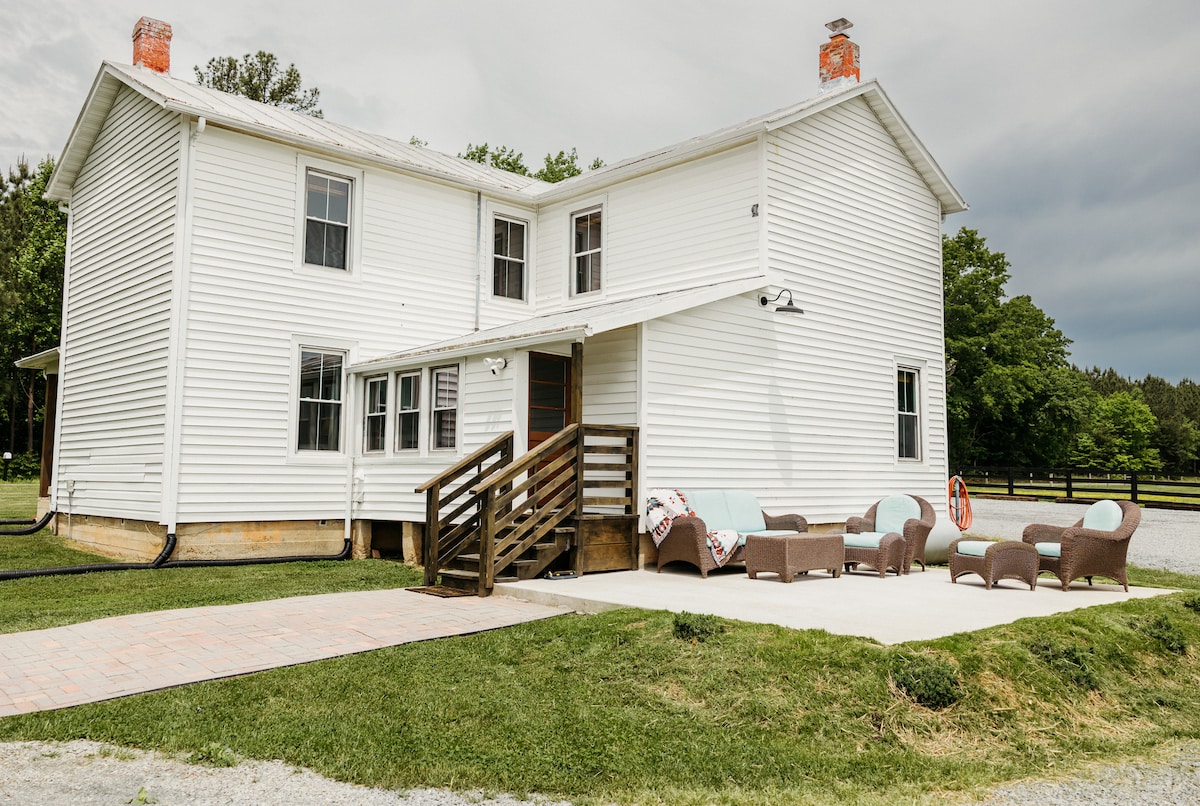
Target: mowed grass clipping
[(615, 708)]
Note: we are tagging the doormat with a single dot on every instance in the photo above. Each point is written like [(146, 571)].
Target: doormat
[(442, 591)]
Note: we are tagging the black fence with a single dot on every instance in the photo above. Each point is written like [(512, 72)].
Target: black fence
[(1082, 485)]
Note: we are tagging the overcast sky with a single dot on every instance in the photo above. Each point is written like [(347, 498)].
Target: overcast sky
[(1072, 129)]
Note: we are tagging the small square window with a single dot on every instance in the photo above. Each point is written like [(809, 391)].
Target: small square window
[(508, 259), (326, 220)]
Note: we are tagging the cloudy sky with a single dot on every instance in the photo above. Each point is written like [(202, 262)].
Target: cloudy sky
[(1072, 129)]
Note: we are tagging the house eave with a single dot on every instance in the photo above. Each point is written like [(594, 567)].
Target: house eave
[(420, 358)]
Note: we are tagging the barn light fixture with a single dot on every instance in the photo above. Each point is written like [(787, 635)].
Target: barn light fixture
[(787, 307)]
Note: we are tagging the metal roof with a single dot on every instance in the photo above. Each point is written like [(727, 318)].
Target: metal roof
[(570, 325), (317, 134)]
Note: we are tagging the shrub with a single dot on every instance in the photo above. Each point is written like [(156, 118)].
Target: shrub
[(696, 627), (1192, 602), (1069, 660), (930, 681), (24, 467), (1161, 629)]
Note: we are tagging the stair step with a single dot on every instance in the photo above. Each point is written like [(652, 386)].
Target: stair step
[(470, 576)]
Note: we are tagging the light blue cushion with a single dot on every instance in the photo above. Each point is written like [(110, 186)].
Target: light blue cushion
[(744, 509), (866, 540), (710, 507), (893, 511), (1103, 516), (770, 533), (727, 509), (1049, 549), (974, 548)]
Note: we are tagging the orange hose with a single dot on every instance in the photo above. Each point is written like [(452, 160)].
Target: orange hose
[(959, 503)]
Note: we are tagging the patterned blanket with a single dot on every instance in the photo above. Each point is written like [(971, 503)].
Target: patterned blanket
[(664, 506)]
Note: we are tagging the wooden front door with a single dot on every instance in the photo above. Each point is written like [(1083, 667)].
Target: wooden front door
[(549, 396)]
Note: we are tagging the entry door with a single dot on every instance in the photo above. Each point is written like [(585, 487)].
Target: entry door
[(549, 396)]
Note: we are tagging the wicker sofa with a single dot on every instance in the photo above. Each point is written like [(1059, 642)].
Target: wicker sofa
[(1095, 546), (687, 540), (891, 535)]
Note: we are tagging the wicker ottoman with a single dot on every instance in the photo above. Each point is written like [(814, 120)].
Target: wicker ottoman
[(795, 553), (1007, 559)]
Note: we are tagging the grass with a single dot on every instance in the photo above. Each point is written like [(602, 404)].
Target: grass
[(615, 708), (18, 499)]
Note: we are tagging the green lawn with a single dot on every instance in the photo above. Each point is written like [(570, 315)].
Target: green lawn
[(614, 708), (18, 499)]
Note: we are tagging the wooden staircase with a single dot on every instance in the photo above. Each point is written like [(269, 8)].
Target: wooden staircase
[(492, 518)]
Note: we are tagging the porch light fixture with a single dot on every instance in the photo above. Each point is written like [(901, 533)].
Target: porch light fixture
[(787, 307)]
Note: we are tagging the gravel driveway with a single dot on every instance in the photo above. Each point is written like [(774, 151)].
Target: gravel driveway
[(89, 774)]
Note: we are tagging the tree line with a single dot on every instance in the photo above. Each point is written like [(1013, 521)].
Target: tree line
[(1013, 397)]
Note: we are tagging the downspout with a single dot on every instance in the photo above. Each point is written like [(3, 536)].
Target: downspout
[(478, 254)]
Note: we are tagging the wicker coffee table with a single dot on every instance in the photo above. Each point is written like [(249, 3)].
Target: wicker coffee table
[(795, 553), (1005, 559)]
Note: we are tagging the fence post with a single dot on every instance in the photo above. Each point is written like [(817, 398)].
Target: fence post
[(1133, 492), (1070, 490), (1011, 489)]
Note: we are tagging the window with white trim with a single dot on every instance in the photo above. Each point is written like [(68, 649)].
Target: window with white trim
[(508, 258), (586, 249), (319, 413), (908, 419), (375, 416), (326, 219), (444, 408), (408, 411)]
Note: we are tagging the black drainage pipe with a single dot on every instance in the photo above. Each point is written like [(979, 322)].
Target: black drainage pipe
[(161, 561), (30, 526)]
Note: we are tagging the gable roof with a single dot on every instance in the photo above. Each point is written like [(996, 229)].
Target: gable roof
[(305, 131), (572, 324)]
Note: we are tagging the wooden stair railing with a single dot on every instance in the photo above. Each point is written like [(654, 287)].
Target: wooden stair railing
[(446, 535), (513, 506)]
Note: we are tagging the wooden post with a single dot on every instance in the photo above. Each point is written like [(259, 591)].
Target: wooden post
[(1070, 487), (487, 542), (432, 533), (1011, 488), (48, 423), (1133, 491)]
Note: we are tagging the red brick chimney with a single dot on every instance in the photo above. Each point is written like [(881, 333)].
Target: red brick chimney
[(152, 45), (839, 57)]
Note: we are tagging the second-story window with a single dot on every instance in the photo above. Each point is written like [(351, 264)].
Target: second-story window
[(586, 251), (326, 220), (508, 259)]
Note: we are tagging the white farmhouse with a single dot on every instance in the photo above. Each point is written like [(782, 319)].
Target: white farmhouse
[(277, 328)]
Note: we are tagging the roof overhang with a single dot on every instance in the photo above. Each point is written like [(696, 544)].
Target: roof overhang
[(575, 324), (46, 361)]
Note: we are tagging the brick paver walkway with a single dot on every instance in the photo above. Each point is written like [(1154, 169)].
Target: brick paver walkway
[(114, 657)]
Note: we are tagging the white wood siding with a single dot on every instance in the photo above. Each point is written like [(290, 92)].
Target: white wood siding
[(801, 410), (249, 305), (683, 227), (610, 370), (118, 319)]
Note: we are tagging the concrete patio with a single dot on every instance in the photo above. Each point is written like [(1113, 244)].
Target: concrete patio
[(919, 606)]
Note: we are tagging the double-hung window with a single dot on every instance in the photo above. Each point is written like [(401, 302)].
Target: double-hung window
[(408, 411), (319, 414), (585, 253), (326, 220), (444, 407), (508, 259), (375, 427), (908, 419)]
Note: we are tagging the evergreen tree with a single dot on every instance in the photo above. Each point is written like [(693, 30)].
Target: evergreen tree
[(260, 78)]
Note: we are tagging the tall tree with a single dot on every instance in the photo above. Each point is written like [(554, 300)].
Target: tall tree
[(503, 157), (555, 168), (32, 255), (1118, 436), (1012, 397), (260, 78)]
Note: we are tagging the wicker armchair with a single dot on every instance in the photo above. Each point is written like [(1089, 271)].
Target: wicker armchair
[(1095, 546), (899, 517)]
